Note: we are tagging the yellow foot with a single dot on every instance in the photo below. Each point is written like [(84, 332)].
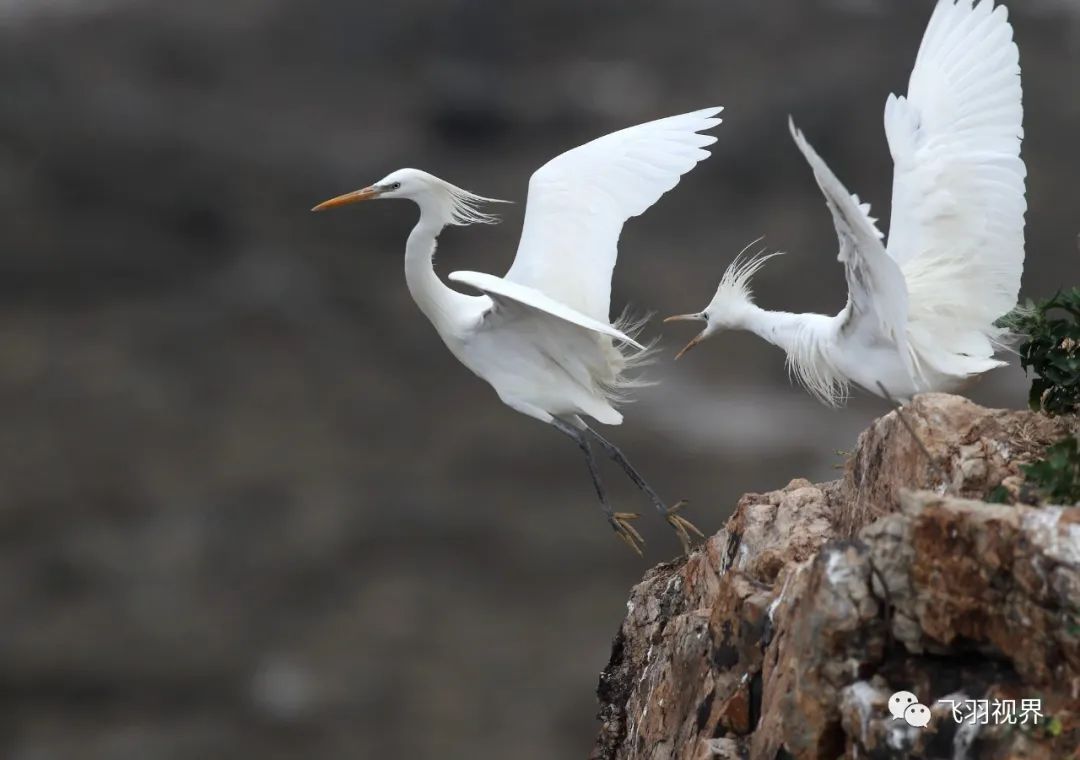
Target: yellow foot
[(620, 523), (683, 527)]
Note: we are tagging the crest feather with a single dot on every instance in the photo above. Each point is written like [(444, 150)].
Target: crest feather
[(465, 207), (734, 286)]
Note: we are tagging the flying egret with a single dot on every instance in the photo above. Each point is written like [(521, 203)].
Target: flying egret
[(920, 312), (541, 336)]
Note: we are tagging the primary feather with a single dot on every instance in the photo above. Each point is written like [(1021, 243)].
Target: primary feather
[(958, 209), (579, 201)]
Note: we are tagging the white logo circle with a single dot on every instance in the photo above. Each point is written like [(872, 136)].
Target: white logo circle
[(917, 715), (899, 702)]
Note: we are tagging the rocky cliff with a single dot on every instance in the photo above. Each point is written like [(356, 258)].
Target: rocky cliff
[(785, 634)]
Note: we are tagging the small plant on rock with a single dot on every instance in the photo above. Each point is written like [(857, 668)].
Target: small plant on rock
[(1056, 477), (1049, 334)]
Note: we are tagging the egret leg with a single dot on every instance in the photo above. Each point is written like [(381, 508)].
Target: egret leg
[(619, 521), (680, 524)]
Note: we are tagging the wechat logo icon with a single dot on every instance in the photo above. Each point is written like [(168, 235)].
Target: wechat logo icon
[(905, 706)]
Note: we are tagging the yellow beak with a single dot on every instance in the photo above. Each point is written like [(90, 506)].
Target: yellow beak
[(687, 318), (689, 345), (354, 197)]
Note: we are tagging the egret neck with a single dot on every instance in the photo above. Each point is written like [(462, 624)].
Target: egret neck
[(444, 307), (781, 328)]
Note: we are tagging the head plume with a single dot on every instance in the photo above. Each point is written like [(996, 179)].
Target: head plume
[(438, 199), (451, 204), (732, 300), (464, 208), (734, 288)]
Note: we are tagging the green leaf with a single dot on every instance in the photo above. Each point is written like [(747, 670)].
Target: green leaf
[(1056, 477), (1049, 348)]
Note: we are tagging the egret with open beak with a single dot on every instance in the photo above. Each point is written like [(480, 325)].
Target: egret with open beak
[(923, 307), (699, 317)]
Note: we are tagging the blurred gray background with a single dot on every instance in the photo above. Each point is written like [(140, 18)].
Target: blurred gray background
[(251, 507)]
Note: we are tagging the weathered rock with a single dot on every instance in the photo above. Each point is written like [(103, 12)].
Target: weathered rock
[(785, 634), (973, 450), (684, 662)]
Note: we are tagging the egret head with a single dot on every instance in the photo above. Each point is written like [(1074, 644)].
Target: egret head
[(445, 202), (404, 183), (728, 309)]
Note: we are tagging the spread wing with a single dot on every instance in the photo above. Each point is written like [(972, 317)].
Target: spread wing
[(877, 296), (579, 201), (957, 226), (503, 291)]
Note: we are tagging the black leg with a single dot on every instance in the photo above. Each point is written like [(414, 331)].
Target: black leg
[(620, 459), (682, 526), (579, 438), (619, 521)]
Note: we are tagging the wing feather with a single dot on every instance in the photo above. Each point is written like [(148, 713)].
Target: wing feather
[(957, 227), (579, 201), (877, 296), (501, 289)]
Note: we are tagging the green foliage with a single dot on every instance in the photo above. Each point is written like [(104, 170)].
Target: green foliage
[(1057, 475), (1050, 332)]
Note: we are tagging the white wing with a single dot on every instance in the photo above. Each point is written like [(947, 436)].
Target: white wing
[(877, 297), (579, 201), (502, 290), (957, 227)]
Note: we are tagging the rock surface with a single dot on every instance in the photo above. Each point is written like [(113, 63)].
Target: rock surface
[(784, 635)]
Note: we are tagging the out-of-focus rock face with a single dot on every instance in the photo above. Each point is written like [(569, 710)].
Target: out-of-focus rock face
[(787, 632)]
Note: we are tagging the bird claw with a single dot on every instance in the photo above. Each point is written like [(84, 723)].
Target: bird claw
[(620, 523), (683, 527)]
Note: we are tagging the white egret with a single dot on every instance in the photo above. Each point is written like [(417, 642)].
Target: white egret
[(920, 312), (541, 335)]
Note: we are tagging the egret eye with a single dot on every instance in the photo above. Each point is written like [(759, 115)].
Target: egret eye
[(394, 186)]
